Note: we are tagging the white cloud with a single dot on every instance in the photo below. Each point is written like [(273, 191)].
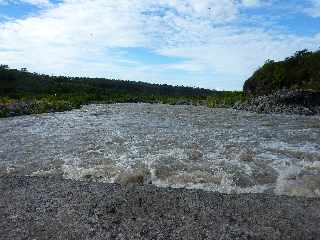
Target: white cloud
[(222, 10), (32, 2), (250, 3), (314, 10), (81, 37), (36, 2)]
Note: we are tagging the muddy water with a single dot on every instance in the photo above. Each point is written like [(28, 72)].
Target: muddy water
[(168, 146)]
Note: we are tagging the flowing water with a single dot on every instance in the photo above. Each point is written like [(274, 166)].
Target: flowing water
[(168, 146)]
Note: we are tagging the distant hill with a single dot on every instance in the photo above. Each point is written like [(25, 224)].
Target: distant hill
[(301, 71), (17, 83)]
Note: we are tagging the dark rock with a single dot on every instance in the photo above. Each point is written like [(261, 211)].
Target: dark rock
[(284, 101), (183, 102)]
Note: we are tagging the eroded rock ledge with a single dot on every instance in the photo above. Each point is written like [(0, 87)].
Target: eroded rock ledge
[(51, 208), (284, 101)]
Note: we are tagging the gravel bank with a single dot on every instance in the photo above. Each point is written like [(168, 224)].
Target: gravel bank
[(51, 208)]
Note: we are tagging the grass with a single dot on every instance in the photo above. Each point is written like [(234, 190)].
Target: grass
[(24, 105)]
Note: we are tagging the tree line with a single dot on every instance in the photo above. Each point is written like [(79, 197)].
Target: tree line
[(300, 71), (23, 92)]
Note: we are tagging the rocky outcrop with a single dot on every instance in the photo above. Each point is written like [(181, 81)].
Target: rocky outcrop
[(284, 101), (18, 108)]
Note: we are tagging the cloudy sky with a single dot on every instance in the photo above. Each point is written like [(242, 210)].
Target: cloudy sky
[(206, 43)]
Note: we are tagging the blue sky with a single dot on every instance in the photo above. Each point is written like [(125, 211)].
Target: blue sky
[(205, 43)]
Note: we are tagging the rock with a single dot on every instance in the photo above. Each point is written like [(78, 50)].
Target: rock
[(182, 102), (284, 101)]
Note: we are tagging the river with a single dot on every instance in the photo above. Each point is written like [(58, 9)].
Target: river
[(169, 146)]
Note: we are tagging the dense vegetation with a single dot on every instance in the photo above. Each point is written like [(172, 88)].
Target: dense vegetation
[(301, 71), (22, 92)]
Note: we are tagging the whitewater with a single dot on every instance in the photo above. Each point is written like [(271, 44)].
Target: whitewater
[(192, 147)]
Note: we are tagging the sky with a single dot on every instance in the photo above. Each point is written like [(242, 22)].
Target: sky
[(214, 44)]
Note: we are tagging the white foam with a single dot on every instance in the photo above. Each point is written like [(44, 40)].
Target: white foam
[(196, 146)]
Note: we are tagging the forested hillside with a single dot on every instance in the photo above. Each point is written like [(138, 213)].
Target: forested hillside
[(22, 92), (301, 71), (20, 83)]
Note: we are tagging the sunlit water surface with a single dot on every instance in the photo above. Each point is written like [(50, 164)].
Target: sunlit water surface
[(178, 146)]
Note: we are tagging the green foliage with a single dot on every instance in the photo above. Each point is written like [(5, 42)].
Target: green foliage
[(279, 76), (22, 92), (17, 83), (225, 99), (301, 71), (14, 107)]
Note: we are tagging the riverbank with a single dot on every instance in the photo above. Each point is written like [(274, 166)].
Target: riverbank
[(12, 107), (284, 101), (25, 93), (52, 208), (296, 102)]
